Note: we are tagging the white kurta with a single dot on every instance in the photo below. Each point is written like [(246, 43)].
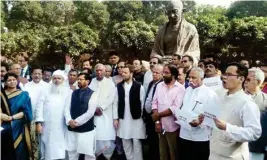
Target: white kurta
[(106, 94), (205, 97), (35, 91), (148, 77), (214, 83), (50, 111), (130, 128)]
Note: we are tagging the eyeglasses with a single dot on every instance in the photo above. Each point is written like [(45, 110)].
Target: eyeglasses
[(152, 62), (184, 61), (229, 75), (120, 67), (80, 79)]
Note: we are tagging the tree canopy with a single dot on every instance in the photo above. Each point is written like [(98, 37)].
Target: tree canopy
[(57, 27)]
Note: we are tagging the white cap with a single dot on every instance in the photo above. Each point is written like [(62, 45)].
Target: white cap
[(59, 73)]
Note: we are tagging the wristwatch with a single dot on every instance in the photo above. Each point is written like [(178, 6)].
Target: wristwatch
[(157, 122)]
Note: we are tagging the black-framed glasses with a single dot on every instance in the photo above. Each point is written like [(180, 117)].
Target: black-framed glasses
[(230, 75), (120, 67)]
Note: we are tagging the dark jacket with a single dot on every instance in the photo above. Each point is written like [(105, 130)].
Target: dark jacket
[(259, 145), (134, 99), (79, 105)]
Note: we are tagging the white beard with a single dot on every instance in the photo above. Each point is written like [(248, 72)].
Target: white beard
[(58, 89)]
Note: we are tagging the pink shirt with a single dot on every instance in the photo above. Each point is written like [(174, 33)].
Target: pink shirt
[(171, 98)]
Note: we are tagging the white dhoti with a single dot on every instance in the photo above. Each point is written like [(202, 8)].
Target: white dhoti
[(80, 143)]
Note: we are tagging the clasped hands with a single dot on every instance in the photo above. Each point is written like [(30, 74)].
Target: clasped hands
[(73, 124), (98, 111), (6, 118)]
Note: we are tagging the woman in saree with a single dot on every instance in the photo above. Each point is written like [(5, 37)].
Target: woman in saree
[(7, 149), (19, 114)]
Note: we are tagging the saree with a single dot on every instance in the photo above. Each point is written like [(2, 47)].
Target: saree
[(7, 148), (20, 102)]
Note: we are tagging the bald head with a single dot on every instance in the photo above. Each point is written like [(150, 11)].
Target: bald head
[(100, 65), (174, 11), (108, 71), (15, 68), (175, 4), (157, 72)]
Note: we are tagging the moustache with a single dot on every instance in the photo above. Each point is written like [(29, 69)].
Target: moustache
[(191, 84)]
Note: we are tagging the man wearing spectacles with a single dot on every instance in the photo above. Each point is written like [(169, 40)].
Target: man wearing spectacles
[(118, 78), (79, 116), (148, 75), (239, 119), (187, 64), (177, 36), (212, 80)]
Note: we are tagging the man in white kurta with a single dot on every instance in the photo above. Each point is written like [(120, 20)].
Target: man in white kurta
[(50, 113), (130, 106), (212, 79), (252, 85), (71, 82), (35, 88), (239, 118), (105, 132), (195, 137)]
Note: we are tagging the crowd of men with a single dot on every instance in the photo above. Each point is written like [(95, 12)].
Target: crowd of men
[(167, 111)]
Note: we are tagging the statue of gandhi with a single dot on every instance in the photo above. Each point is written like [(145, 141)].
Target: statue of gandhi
[(177, 36)]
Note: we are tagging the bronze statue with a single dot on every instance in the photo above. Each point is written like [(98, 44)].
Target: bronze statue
[(177, 36)]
